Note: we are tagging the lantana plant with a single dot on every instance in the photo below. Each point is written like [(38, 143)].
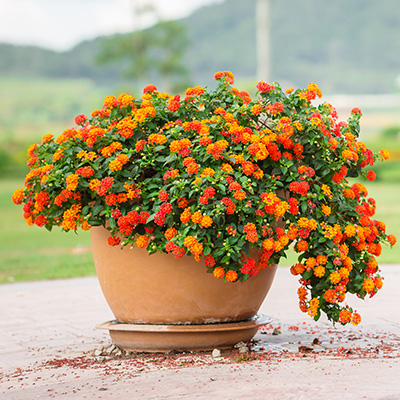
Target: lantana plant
[(216, 173)]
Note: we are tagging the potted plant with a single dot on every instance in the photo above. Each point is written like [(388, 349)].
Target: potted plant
[(223, 183)]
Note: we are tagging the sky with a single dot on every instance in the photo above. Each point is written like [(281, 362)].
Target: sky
[(61, 24)]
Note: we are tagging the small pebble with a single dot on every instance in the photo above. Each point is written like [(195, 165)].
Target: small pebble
[(99, 351), (111, 349), (242, 347), (216, 353)]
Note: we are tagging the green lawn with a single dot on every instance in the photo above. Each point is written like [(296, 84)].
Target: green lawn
[(32, 253), (387, 198)]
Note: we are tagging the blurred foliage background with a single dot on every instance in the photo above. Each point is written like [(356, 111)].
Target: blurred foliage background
[(350, 48)]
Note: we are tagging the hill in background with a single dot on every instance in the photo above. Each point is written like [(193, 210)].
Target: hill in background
[(346, 46)]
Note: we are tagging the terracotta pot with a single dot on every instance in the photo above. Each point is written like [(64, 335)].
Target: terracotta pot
[(161, 289)]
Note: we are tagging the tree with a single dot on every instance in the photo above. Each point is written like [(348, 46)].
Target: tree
[(151, 53)]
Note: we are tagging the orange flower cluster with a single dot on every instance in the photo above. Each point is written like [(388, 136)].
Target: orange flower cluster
[(118, 163), (125, 100), (191, 165), (72, 182), (194, 246), (111, 149), (70, 217), (86, 172), (142, 241), (18, 196), (156, 138), (174, 103), (217, 148), (41, 201), (67, 135), (93, 134), (147, 111), (64, 196), (251, 232), (191, 92), (182, 146), (275, 108), (126, 126)]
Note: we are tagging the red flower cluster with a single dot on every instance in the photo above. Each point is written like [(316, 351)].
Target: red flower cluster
[(230, 205), (299, 188), (275, 108), (191, 165), (104, 185), (264, 87), (339, 176), (163, 195), (128, 222), (86, 172), (161, 214), (171, 247), (174, 103), (251, 232), (209, 192), (249, 267)]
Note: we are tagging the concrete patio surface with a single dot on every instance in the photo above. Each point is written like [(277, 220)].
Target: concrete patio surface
[(48, 339)]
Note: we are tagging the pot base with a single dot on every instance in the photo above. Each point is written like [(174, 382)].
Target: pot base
[(165, 338)]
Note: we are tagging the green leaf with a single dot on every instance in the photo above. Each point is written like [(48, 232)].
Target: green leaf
[(207, 251), (85, 210), (49, 226), (307, 274), (225, 259), (222, 188), (153, 186), (169, 158), (151, 218), (218, 252), (159, 148), (276, 171), (96, 209), (95, 221), (325, 171), (318, 315), (332, 219)]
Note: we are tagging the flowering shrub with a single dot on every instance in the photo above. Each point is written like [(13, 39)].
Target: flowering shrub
[(216, 173)]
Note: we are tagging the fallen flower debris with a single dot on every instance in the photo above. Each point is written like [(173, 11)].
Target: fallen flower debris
[(112, 360)]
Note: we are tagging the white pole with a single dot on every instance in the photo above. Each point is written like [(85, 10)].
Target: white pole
[(263, 40)]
